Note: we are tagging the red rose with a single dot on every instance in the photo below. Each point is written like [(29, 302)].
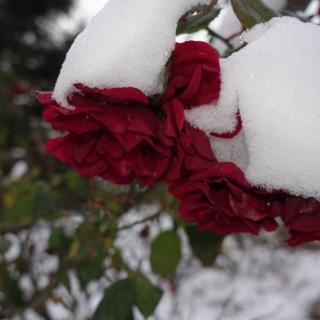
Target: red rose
[(191, 149), (220, 199), (214, 195), (302, 218), (194, 76), (111, 134)]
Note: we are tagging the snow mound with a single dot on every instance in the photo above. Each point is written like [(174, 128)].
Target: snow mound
[(275, 83), (127, 44)]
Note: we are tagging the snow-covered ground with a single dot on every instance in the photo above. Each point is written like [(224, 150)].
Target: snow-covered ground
[(253, 279)]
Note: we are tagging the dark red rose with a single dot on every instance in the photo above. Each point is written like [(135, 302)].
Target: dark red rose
[(111, 134), (194, 76), (191, 149), (214, 195), (302, 217), (221, 200)]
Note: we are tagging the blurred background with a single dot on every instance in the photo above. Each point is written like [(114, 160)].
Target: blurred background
[(64, 240)]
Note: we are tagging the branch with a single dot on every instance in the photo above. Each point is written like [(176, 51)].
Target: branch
[(129, 226), (218, 36)]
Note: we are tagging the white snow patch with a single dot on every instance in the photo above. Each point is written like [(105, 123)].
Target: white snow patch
[(275, 82), (19, 169), (255, 277), (235, 150), (127, 44)]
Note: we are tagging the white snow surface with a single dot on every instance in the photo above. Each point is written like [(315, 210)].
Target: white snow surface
[(253, 279), (127, 44), (275, 83)]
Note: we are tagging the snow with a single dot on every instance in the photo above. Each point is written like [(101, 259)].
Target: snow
[(19, 169), (256, 278), (205, 117), (275, 82), (233, 150), (127, 44)]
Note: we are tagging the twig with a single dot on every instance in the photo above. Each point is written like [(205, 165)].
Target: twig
[(129, 226), (218, 36)]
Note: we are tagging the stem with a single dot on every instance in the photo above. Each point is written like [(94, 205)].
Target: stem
[(129, 226), (218, 36)]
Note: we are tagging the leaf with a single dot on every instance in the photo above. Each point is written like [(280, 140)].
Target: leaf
[(252, 12), (196, 22), (43, 202), (147, 297), (117, 302), (77, 184), (89, 270), (10, 287), (165, 253), (20, 213), (59, 242), (205, 245)]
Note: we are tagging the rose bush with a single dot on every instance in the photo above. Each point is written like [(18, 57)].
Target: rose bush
[(118, 135)]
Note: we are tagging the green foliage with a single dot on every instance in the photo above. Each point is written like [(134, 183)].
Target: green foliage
[(117, 302), (119, 298), (252, 12), (205, 245), (59, 242), (165, 253), (147, 297), (9, 285)]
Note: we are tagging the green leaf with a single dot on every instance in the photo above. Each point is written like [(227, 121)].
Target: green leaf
[(20, 213), (89, 270), (117, 302), (59, 242), (43, 203), (252, 12), (196, 22), (165, 253), (205, 245), (10, 287), (147, 297), (77, 184)]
